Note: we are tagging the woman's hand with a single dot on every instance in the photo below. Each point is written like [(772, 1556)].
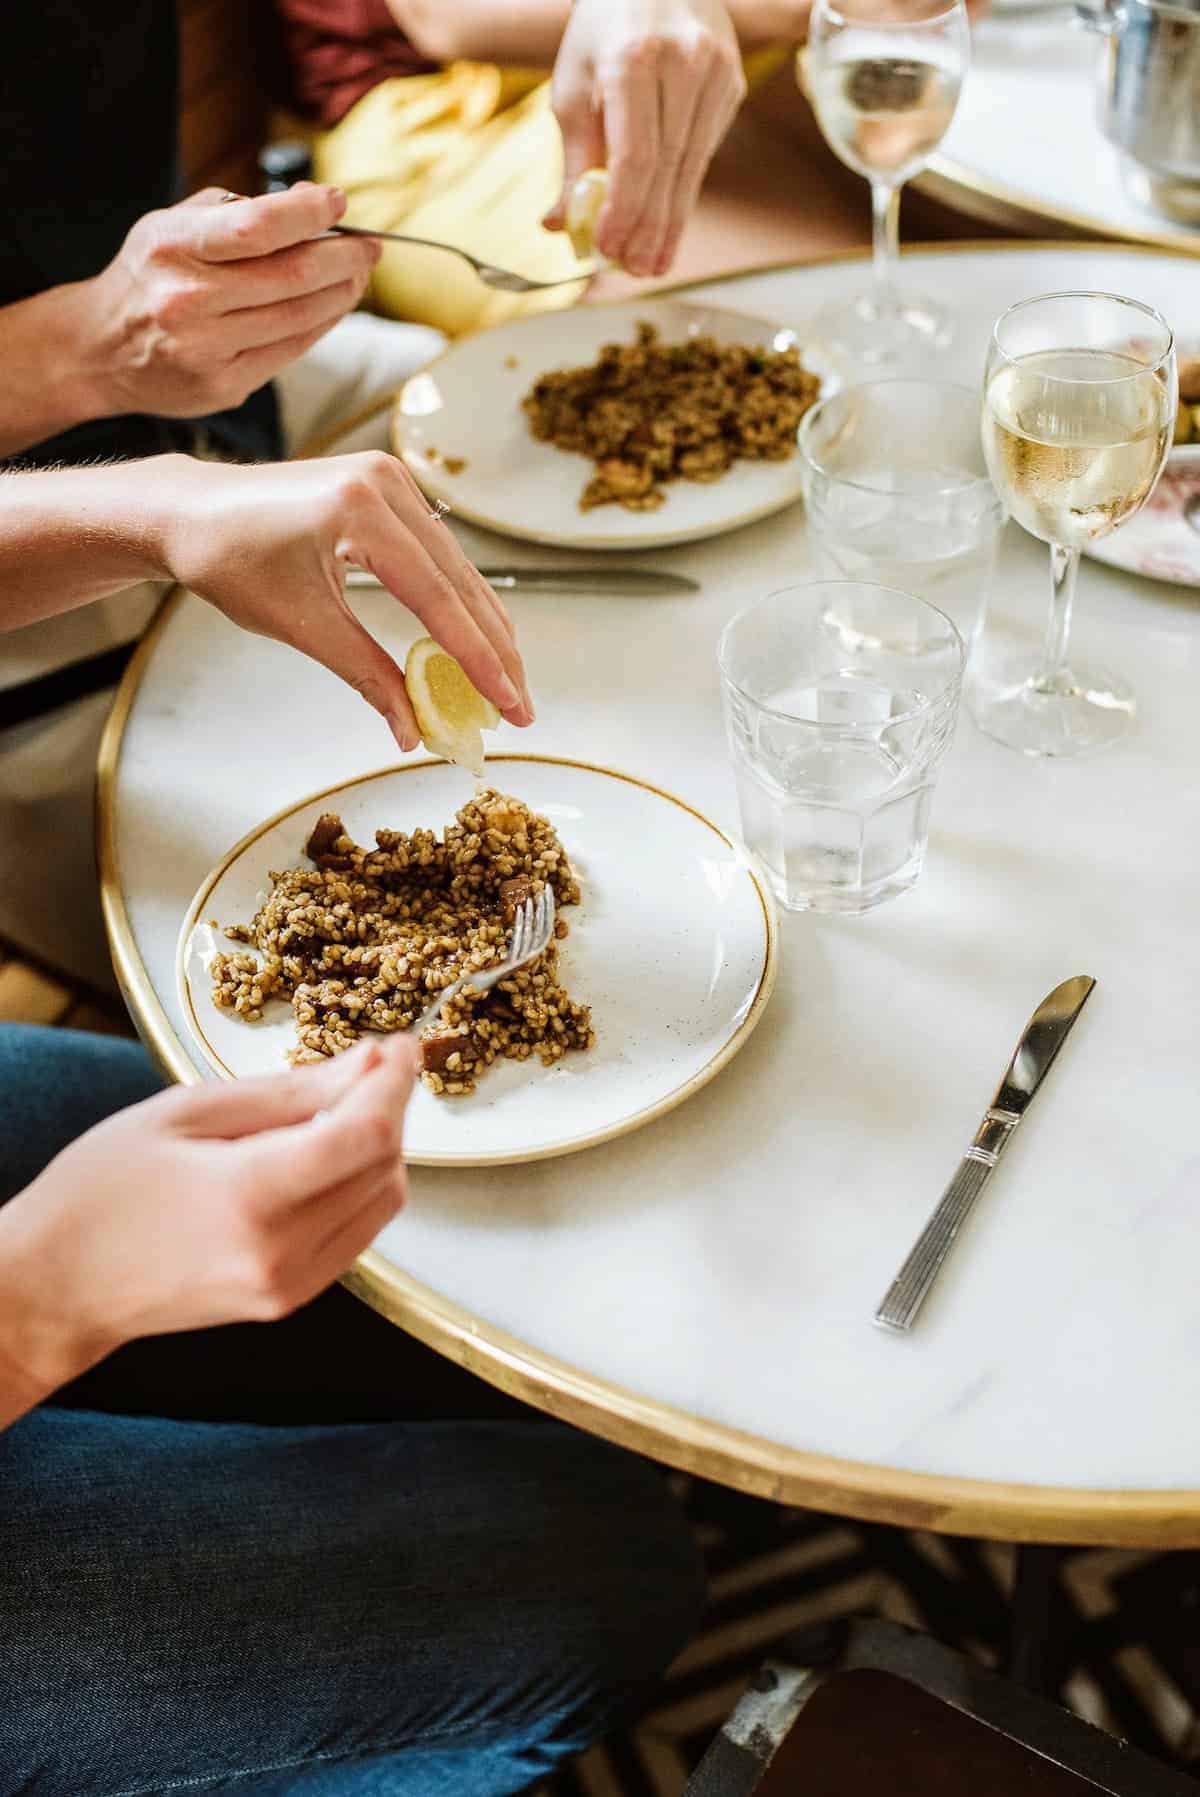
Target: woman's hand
[(269, 546), (212, 1204), (646, 89)]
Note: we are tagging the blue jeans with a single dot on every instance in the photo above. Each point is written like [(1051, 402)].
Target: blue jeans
[(409, 1606)]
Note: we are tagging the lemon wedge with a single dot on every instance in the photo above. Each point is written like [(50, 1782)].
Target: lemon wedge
[(583, 215), (450, 714)]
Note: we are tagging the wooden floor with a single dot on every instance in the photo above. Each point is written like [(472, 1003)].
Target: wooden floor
[(30, 993)]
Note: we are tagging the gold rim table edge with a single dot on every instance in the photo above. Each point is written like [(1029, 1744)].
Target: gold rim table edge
[(995, 1510), (954, 184), (701, 1078)]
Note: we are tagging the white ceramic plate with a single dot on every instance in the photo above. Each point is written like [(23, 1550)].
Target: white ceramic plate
[(467, 404), (674, 948), (1158, 541)]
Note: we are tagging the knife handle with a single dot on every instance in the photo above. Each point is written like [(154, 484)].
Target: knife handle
[(910, 1288)]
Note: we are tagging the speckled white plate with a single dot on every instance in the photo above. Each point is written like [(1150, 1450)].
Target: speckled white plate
[(1158, 541), (674, 947), (467, 405)]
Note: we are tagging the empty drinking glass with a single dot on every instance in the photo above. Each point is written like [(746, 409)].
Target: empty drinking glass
[(898, 493), (840, 701)]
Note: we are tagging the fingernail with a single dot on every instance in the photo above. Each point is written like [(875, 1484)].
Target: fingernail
[(529, 705), (509, 696), (338, 201)]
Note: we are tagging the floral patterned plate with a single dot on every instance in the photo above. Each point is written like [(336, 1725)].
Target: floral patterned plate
[(1160, 542)]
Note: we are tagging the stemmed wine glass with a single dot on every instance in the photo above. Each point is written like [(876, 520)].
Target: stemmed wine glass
[(1080, 394), (884, 78)]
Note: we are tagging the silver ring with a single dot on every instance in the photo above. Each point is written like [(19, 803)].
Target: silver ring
[(226, 197), (439, 511)]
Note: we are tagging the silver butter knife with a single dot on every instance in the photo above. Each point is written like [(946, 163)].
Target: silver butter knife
[(1041, 1040), (631, 582)]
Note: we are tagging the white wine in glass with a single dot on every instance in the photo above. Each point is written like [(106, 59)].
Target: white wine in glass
[(884, 78), (1079, 408)]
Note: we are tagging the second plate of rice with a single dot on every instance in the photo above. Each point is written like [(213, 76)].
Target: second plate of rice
[(494, 427)]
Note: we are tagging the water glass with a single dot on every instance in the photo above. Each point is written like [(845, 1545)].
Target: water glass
[(898, 493), (840, 701)]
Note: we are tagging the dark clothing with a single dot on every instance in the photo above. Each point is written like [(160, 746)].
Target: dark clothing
[(88, 123)]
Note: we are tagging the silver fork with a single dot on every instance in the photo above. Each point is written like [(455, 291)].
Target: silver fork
[(533, 931), (504, 280)]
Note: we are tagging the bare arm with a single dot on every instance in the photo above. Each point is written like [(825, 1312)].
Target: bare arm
[(504, 31), (72, 535), (530, 31), (52, 379), (268, 546)]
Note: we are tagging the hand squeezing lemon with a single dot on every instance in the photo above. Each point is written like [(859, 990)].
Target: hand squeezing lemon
[(583, 215), (451, 715)]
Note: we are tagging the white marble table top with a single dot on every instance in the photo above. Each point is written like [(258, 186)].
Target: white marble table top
[(1026, 143), (704, 1288)]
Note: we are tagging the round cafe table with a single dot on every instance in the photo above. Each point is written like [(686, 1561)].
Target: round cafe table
[(702, 1290)]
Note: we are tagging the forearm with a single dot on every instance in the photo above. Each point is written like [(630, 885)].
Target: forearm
[(70, 536), (20, 1392), (36, 1353), (762, 22), (529, 31), (505, 31), (48, 383)]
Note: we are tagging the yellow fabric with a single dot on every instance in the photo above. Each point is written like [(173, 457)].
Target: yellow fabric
[(470, 156)]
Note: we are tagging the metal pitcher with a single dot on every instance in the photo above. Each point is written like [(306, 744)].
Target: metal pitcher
[(1149, 101)]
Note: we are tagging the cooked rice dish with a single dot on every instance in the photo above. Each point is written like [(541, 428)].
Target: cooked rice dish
[(363, 939), (648, 412)]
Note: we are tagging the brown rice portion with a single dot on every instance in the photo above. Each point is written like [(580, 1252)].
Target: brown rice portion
[(650, 412), (364, 939)]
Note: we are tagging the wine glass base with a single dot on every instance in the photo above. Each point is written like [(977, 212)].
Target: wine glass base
[(883, 330), (1085, 709)]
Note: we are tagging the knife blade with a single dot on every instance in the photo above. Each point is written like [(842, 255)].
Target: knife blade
[(1032, 1059), (631, 582)]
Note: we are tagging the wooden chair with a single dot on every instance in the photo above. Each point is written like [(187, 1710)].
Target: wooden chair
[(224, 107), (868, 1709)]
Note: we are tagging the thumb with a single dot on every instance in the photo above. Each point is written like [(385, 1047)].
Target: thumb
[(582, 127)]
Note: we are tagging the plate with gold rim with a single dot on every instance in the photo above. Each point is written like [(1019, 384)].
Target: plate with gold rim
[(460, 428), (673, 946)]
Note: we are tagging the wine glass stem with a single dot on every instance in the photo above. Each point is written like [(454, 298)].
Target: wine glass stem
[(1064, 566), (885, 230)]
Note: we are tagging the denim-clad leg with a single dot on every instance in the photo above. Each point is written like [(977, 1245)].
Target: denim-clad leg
[(402, 1608), (406, 1608), (54, 1084)]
